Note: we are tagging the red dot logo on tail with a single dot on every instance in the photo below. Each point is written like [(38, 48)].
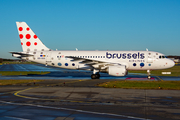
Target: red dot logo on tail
[(20, 28), (28, 43), (35, 36), (21, 43), (21, 36), (27, 29), (28, 36), (35, 43)]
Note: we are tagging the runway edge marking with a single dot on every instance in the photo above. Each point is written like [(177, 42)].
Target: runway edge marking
[(76, 110)]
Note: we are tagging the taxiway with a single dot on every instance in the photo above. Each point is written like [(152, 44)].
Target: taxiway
[(83, 99), (72, 95)]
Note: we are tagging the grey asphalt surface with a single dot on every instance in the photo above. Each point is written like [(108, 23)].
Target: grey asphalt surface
[(82, 99), (79, 98)]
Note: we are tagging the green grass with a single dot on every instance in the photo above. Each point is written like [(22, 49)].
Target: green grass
[(175, 71), (5, 73), (13, 82), (165, 85)]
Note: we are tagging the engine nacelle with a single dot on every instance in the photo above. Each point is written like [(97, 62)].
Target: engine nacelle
[(16, 55), (117, 70)]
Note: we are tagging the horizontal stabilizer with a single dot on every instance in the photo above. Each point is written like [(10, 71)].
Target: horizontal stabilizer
[(19, 54)]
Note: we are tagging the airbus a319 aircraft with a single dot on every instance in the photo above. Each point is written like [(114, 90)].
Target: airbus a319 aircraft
[(115, 63)]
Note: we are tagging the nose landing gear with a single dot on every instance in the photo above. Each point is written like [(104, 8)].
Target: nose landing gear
[(149, 74)]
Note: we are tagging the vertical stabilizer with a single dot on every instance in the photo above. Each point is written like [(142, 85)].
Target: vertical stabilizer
[(29, 40)]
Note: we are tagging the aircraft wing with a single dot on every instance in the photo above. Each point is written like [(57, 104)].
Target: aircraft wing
[(84, 60), (93, 63)]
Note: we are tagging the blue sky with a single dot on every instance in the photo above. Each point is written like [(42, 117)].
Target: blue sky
[(93, 24)]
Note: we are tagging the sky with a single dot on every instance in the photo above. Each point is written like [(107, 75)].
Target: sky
[(93, 24)]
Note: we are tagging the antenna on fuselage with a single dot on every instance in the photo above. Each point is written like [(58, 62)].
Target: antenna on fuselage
[(76, 49), (146, 49)]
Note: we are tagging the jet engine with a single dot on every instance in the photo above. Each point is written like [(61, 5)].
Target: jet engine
[(119, 70)]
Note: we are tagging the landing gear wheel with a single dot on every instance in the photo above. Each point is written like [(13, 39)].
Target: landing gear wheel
[(149, 74), (95, 76), (149, 77)]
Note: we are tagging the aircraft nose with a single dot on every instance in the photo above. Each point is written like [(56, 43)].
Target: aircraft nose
[(171, 63)]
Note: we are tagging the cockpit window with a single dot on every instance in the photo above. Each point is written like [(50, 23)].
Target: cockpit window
[(160, 57), (163, 56)]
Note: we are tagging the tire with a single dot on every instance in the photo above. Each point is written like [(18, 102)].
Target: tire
[(95, 76)]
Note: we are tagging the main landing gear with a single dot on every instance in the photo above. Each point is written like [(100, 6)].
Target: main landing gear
[(149, 74), (95, 74)]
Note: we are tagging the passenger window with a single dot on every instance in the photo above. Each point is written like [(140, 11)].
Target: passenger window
[(159, 57)]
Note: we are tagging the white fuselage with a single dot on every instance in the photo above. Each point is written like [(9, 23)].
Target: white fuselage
[(133, 60)]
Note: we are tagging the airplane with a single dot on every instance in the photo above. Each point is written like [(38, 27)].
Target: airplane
[(115, 63)]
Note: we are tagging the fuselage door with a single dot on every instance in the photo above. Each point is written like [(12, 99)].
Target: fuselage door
[(150, 59), (48, 57)]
